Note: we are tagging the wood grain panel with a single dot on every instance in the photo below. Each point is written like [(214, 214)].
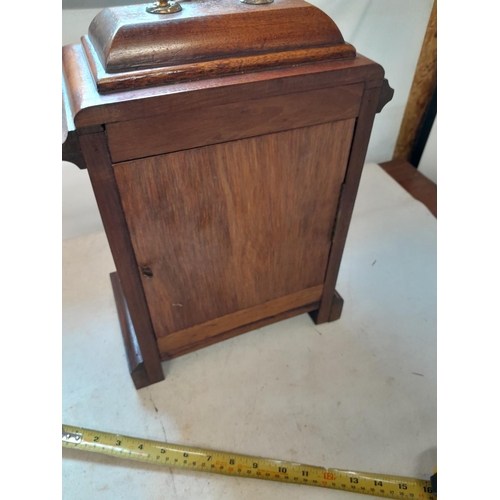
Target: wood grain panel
[(197, 335), (421, 92), (228, 227), (227, 122)]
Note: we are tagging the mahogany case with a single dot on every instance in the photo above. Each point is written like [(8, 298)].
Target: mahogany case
[(225, 144)]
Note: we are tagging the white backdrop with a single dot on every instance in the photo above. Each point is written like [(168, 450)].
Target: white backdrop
[(428, 162), (388, 31)]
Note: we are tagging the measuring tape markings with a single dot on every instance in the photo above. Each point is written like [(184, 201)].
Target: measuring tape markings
[(234, 464)]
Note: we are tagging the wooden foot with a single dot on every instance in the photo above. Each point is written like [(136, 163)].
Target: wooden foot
[(335, 311), (134, 356)]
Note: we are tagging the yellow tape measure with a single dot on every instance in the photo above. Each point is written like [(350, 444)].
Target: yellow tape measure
[(234, 464)]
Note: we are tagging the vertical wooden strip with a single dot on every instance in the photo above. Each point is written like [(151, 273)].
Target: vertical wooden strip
[(348, 197), (103, 181), (424, 84)]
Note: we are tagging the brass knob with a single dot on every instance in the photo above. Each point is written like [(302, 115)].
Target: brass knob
[(164, 7)]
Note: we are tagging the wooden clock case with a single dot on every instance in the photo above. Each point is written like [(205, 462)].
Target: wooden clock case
[(225, 145)]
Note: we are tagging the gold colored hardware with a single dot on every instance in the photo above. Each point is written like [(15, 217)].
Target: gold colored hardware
[(164, 7), (256, 2)]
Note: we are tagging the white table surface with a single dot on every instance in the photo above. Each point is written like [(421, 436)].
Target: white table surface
[(358, 393)]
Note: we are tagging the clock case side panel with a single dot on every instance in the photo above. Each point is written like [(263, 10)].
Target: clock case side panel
[(229, 231), (143, 353), (329, 300)]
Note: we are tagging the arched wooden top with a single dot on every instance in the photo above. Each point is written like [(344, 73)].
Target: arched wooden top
[(127, 47), (129, 38)]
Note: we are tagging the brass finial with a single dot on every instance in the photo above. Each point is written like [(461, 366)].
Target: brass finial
[(164, 7)]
